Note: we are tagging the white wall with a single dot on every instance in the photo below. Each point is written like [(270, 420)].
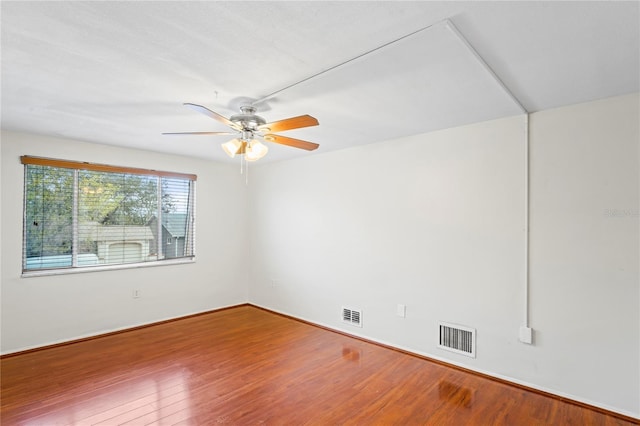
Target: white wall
[(41, 310), (585, 281), (435, 222)]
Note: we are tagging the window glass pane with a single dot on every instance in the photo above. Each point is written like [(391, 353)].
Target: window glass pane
[(82, 218), (176, 218), (114, 214), (48, 241)]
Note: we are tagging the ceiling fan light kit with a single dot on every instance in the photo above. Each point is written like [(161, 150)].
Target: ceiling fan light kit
[(252, 150)]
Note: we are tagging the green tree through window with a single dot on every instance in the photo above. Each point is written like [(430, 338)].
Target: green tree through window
[(76, 217), (48, 208)]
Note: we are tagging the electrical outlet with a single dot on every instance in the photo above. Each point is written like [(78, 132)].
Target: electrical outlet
[(401, 310), (135, 294), (274, 283)]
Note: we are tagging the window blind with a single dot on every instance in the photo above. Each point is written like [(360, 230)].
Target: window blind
[(82, 215)]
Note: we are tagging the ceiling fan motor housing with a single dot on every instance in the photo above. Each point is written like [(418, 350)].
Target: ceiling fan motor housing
[(248, 118)]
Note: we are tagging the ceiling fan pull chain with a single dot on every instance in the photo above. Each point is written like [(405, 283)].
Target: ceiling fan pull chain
[(246, 176)]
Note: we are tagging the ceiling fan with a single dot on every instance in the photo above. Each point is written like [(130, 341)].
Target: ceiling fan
[(248, 126)]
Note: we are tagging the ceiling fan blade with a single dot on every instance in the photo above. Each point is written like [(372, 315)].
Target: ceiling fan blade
[(198, 133), (289, 124), (206, 111), (296, 143)]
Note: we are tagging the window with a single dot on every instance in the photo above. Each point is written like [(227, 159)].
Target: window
[(81, 215)]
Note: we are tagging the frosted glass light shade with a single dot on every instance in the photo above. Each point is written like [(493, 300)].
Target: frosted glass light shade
[(255, 150), (232, 147)]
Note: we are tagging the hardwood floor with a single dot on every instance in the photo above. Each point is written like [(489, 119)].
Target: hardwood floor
[(246, 366)]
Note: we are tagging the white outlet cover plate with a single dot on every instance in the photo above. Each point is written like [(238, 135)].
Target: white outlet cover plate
[(526, 334)]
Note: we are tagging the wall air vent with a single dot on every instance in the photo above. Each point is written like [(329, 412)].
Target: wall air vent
[(352, 316), (458, 339)]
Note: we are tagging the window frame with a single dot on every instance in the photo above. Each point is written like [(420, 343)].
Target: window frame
[(80, 166)]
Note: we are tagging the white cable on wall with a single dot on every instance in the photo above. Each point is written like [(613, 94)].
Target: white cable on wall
[(527, 336)]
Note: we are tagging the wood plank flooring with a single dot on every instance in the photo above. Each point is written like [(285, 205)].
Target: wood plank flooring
[(247, 366)]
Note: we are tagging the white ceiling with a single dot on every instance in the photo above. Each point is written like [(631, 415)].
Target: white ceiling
[(118, 72)]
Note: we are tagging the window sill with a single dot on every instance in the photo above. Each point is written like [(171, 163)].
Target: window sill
[(82, 270)]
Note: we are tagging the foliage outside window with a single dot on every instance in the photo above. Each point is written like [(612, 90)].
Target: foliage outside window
[(80, 215)]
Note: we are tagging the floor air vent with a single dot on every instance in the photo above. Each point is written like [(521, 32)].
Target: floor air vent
[(458, 339), (352, 316)]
